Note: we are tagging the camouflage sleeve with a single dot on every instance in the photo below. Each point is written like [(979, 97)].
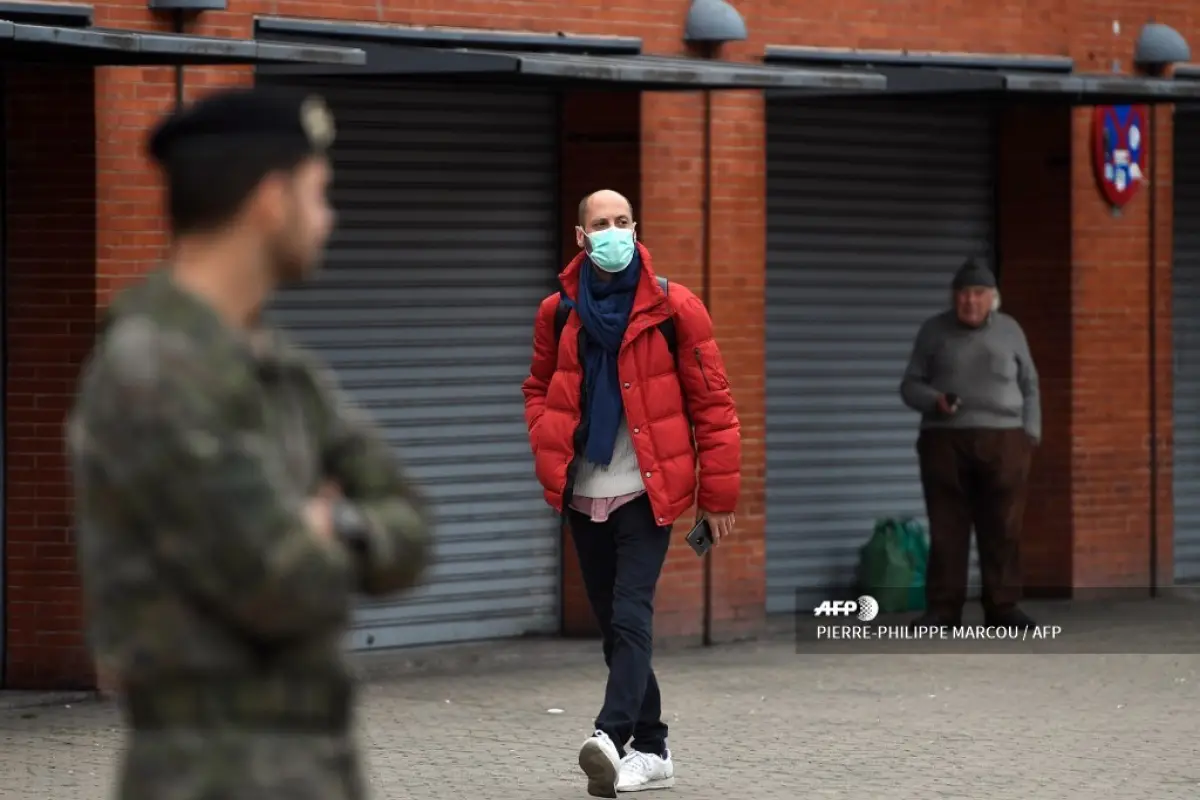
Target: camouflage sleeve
[(179, 443), (364, 466)]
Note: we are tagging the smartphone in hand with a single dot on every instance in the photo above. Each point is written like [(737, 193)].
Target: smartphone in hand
[(700, 537)]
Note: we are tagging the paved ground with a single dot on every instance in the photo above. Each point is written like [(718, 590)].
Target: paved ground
[(752, 720)]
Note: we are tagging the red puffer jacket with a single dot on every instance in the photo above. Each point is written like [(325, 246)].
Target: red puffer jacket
[(654, 399)]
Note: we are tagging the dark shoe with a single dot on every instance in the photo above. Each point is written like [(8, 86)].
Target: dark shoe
[(1008, 618), (931, 620)]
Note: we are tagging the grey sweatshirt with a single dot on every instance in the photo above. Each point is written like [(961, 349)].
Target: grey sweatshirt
[(989, 368)]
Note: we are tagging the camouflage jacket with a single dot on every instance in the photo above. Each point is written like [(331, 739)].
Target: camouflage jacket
[(194, 450)]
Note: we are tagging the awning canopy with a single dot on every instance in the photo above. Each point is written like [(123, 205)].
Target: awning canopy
[(397, 52), (1024, 79), (105, 47), (1071, 89)]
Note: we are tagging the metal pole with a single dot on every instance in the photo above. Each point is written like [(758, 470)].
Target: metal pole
[(180, 26), (1152, 282)]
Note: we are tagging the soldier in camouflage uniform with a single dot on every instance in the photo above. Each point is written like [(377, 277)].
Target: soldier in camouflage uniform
[(230, 501)]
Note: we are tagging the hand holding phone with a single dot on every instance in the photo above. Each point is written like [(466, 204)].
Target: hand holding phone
[(700, 537)]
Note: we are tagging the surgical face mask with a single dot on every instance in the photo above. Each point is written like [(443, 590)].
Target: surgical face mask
[(611, 249)]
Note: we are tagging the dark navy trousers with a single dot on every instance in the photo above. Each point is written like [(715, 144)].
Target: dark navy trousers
[(621, 559)]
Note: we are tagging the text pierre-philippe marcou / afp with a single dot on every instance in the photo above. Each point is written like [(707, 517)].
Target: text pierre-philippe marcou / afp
[(865, 609)]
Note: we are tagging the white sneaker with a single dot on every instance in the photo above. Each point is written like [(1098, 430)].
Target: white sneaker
[(599, 760), (643, 771)]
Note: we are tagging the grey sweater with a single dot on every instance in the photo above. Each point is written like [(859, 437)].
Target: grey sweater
[(989, 368)]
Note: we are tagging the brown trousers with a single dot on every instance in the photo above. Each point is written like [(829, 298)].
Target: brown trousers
[(974, 477)]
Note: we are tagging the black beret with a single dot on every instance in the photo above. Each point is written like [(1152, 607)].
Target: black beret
[(285, 118)]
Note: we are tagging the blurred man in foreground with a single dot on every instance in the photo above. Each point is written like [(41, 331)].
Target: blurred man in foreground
[(229, 500)]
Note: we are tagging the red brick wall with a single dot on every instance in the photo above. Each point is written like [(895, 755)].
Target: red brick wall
[(672, 226), (1034, 204), (50, 307), (1112, 255), (737, 237), (1088, 517), (1162, 243), (673, 177), (1110, 393)]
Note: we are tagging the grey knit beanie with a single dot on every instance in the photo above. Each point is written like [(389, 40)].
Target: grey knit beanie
[(973, 273)]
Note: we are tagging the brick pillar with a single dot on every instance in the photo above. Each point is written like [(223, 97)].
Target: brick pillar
[(599, 141), (737, 239), (1163, 229), (1077, 278), (1110, 379), (50, 321), (1034, 211), (1112, 504), (130, 234), (672, 223)]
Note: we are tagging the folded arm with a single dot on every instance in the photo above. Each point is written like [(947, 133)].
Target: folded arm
[(172, 436)]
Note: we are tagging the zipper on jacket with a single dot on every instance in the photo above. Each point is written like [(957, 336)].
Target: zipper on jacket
[(700, 364)]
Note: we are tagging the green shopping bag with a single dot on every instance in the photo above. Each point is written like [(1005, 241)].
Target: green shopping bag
[(892, 565)]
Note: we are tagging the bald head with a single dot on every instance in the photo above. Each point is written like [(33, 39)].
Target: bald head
[(600, 211), (604, 209)]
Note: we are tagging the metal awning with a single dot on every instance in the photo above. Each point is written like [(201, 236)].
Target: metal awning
[(106, 47), (649, 73), (1102, 89), (1025, 79), (1071, 89), (396, 52)]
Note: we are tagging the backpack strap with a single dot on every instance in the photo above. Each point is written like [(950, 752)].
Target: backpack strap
[(561, 313), (667, 326)]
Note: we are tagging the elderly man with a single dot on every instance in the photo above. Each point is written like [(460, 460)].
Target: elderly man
[(972, 378), (626, 396)]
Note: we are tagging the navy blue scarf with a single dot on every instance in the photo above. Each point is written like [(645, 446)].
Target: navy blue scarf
[(604, 308)]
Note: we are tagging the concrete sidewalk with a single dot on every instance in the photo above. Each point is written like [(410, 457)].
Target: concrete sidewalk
[(753, 720)]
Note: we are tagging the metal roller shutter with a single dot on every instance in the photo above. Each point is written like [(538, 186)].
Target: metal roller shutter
[(1185, 315), (870, 210), (447, 240)]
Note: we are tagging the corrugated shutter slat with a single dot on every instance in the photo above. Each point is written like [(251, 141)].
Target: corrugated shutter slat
[(446, 243), (1185, 315), (870, 210)]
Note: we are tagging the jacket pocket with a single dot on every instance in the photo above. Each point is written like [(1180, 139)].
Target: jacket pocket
[(703, 371), (712, 369), (533, 435)]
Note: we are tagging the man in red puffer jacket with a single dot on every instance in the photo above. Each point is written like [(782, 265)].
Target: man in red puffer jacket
[(625, 370)]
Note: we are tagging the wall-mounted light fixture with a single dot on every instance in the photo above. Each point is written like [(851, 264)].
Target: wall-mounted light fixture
[(713, 22), (1158, 47)]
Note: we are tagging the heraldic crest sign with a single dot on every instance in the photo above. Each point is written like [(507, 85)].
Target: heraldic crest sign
[(1119, 151)]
